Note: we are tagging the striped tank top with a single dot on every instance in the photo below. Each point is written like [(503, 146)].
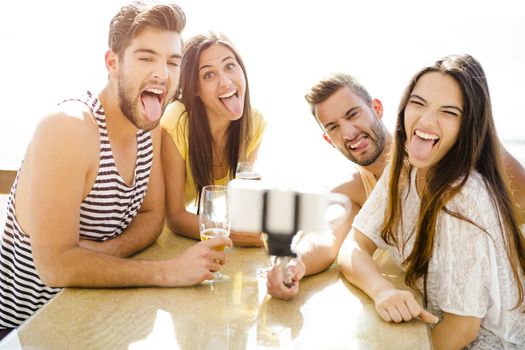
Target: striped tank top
[(104, 214)]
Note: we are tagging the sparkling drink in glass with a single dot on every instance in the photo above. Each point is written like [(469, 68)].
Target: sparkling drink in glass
[(212, 233), (214, 218)]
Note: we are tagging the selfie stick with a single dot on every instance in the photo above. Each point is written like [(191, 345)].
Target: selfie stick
[(280, 243)]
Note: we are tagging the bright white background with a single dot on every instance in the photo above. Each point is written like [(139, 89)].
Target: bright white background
[(53, 49)]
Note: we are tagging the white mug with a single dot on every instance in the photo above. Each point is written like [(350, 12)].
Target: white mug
[(255, 208)]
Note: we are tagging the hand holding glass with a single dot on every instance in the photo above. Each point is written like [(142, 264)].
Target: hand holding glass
[(214, 218)]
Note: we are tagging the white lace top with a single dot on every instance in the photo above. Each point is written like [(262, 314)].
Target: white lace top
[(469, 273)]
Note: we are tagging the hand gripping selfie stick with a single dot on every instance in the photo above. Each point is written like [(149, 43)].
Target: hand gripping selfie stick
[(281, 214), (280, 242)]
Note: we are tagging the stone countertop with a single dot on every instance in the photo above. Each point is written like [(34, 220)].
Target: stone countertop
[(238, 314)]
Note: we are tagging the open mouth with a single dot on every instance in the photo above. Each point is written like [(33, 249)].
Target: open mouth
[(151, 100), (361, 143), (357, 144), (427, 137), (229, 94), (422, 144), (231, 102)]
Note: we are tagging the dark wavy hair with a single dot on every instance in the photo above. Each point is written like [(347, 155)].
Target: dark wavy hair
[(199, 134), (477, 149), (329, 85)]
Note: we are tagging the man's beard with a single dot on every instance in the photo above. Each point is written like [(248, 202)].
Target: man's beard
[(127, 107), (377, 137)]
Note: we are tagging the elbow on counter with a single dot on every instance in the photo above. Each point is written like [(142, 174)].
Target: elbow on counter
[(342, 263), (53, 279), (343, 256), (53, 271)]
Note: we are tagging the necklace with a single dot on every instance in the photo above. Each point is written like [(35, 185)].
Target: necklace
[(217, 161)]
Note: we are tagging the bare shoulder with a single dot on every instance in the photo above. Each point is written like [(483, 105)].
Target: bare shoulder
[(69, 119), (516, 175), (69, 129), (513, 167), (353, 188), (63, 153)]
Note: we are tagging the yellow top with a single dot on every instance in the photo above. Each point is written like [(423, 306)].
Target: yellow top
[(178, 132), (369, 180)]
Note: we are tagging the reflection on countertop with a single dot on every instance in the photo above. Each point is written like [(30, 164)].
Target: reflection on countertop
[(237, 314)]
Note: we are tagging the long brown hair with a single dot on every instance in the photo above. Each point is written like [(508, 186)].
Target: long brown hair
[(199, 134), (476, 149)]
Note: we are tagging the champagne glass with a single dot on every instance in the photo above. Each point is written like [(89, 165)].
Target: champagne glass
[(214, 218), (247, 171)]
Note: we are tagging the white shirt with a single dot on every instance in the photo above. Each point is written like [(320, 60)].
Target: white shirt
[(469, 273)]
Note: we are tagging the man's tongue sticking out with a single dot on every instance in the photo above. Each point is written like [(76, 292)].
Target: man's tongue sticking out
[(233, 104), (152, 107), (421, 148)]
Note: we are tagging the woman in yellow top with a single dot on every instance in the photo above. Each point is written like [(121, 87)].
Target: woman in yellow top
[(208, 129)]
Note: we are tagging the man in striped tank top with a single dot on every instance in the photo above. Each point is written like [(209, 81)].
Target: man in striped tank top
[(90, 191), (352, 122)]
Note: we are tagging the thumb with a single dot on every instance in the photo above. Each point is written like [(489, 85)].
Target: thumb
[(428, 317), (227, 241), (275, 276)]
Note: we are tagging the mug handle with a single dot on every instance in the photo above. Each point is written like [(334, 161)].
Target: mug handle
[(342, 201)]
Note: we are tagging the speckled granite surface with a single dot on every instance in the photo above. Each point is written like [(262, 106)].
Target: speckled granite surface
[(237, 314)]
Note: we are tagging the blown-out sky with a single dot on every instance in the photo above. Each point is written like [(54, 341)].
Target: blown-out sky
[(54, 49)]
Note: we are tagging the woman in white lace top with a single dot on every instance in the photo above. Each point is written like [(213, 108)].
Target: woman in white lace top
[(444, 211)]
